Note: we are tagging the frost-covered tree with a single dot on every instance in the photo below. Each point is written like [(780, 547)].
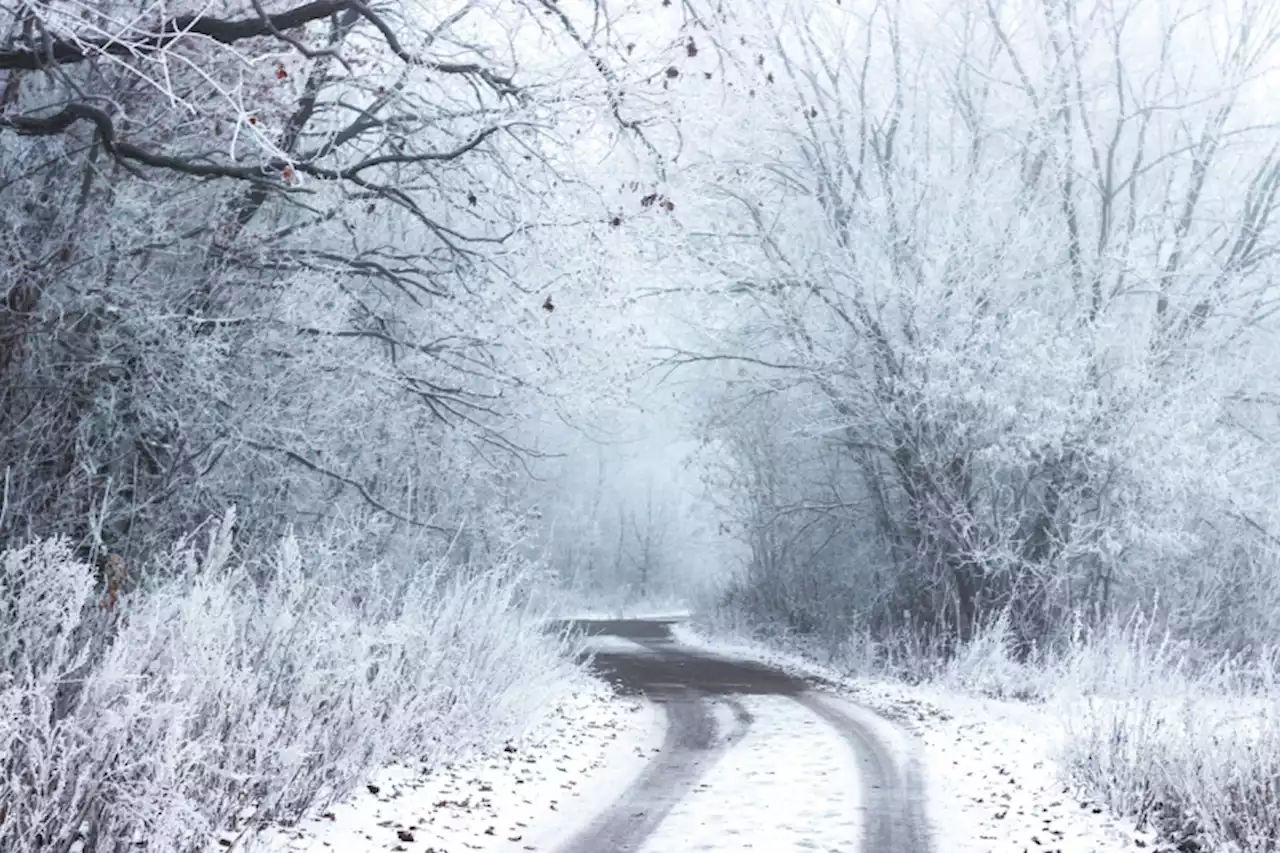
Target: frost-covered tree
[(302, 257), (1003, 275), (336, 264)]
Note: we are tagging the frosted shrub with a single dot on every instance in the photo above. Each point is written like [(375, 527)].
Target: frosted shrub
[(44, 596), (989, 665), (228, 694), (1192, 750)]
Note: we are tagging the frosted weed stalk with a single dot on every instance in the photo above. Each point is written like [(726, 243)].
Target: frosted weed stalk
[(1192, 750), (223, 691)]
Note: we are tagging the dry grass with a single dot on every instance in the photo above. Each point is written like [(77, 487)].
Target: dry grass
[(220, 687), (1189, 746)]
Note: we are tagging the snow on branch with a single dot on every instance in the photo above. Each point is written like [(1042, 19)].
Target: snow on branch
[(60, 121), (48, 51), (67, 51)]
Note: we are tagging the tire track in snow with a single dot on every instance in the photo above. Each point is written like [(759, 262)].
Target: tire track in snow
[(691, 746), (892, 786), (892, 790), (789, 785)]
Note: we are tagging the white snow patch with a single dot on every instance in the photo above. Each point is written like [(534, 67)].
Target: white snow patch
[(789, 784), (903, 744), (527, 796), (687, 635), (992, 779), (594, 787)]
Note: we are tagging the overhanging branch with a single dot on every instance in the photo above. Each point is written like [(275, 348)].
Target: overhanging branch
[(65, 51), (62, 120), (70, 51)]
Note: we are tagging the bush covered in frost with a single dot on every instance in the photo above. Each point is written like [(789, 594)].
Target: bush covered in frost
[(225, 687)]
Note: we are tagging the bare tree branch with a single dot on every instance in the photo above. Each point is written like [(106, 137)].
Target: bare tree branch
[(50, 52), (360, 488), (66, 51)]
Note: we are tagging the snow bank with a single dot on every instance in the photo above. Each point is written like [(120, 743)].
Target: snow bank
[(993, 777)]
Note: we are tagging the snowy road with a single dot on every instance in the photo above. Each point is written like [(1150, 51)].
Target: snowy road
[(752, 759), (711, 754)]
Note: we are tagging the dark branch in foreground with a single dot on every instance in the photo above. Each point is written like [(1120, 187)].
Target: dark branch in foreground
[(364, 493), (63, 51), (60, 121), (69, 51)]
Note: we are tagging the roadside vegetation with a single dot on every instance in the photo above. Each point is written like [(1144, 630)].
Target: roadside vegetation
[(235, 694)]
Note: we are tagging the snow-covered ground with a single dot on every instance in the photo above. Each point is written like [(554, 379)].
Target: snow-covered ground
[(788, 781), (992, 782), (789, 784), (526, 796)]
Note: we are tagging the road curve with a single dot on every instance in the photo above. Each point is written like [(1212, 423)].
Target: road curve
[(687, 683)]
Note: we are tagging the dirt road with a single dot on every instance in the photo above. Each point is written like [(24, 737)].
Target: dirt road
[(684, 682)]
